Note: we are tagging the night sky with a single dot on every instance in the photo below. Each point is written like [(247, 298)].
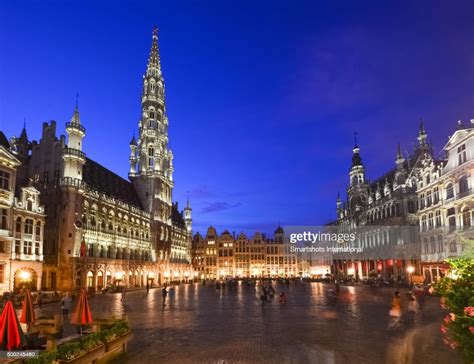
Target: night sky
[(263, 99)]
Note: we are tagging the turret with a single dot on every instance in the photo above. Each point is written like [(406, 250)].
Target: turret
[(187, 217), (357, 172), (133, 157), (73, 156)]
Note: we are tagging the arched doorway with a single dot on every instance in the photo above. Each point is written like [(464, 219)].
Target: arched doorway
[(90, 280), (100, 280)]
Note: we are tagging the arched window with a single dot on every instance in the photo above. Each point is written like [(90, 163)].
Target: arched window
[(463, 185)]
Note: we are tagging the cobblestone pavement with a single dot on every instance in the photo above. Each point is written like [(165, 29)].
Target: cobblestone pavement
[(206, 325)]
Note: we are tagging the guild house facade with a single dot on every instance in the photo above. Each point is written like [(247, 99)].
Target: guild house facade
[(22, 223), (102, 229), (228, 256)]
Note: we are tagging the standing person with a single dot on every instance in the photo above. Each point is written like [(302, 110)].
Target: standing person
[(420, 296), (396, 310), (271, 291), (66, 304), (124, 291), (147, 287), (164, 293), (171, 293)]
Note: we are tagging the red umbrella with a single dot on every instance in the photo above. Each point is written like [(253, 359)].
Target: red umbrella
[(11, 334), (82, 312), (27, 310)]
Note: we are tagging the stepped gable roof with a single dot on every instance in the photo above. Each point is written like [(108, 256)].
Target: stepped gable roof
[(106, 181)]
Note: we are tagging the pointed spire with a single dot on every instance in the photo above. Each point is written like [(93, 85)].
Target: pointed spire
[(399, 151), (187, 200), (422, 134), (356, 159), (422, 127), (133, 141), (23, 136), (75, 120), (154, 58)]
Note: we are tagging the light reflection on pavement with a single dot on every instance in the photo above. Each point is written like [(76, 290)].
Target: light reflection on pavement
[(206, 325)]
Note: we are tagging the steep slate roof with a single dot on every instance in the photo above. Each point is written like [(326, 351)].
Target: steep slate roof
[(4, 141), (176, 216), (108, 182)]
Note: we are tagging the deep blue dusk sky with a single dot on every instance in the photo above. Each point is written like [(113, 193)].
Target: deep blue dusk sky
[(263, 97)]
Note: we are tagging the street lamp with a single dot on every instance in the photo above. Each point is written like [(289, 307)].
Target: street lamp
[(25, 276)]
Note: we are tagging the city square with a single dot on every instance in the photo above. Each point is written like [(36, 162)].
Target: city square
[(208, 325), (299, 190)]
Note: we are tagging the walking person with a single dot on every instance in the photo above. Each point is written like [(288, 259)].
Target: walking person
[(66, 304), (396, 310), (147, 287), (164, 293)]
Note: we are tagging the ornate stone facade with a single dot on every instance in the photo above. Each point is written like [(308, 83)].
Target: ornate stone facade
[(446, 203), (101, 229), (22, 223)]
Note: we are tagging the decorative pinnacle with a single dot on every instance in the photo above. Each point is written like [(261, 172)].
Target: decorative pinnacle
[(77, 100), (422, 127), (355, 139), (399, 151)]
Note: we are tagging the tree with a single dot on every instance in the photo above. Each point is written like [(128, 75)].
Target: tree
[(457, 291)]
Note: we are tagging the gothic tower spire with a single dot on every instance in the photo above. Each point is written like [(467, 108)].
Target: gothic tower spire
[(151, 159)]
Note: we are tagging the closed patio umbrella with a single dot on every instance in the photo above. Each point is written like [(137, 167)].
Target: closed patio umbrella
[(27, 311), (82, 315), (11, 334)]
